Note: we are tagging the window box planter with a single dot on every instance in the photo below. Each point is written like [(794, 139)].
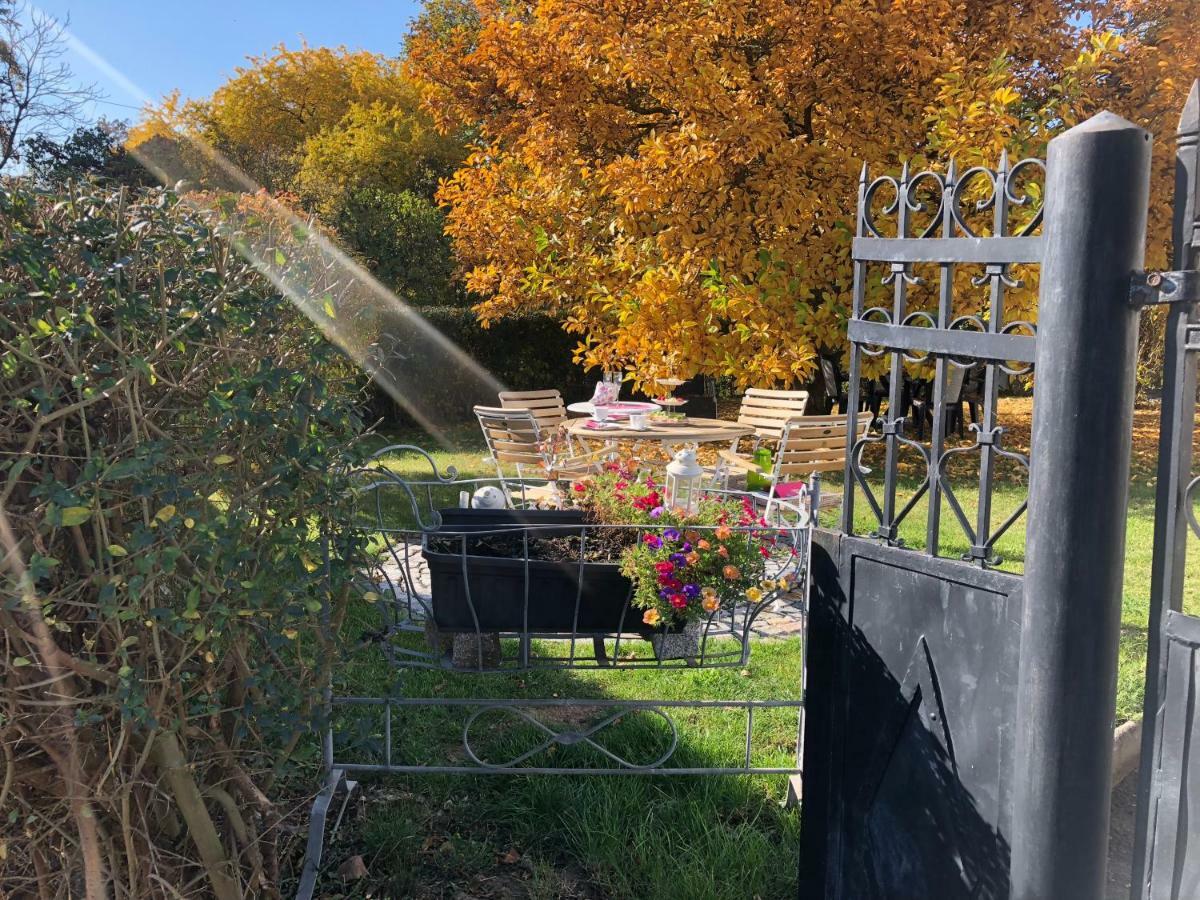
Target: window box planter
[(497, 583)]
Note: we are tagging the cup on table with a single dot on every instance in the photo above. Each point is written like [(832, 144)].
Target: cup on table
[(600, 413), (639, 421)]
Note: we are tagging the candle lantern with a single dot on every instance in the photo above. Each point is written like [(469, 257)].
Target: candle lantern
[(684, 479)]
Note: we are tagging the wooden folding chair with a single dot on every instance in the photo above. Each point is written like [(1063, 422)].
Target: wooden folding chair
[(807, 444), (767, 411), (547, 406), (515, 438)]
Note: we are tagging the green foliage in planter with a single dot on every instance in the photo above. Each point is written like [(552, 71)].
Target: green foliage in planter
[(173, 443)]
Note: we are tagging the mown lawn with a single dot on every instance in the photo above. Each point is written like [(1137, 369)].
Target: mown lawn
[(1009, 491), (632, 837)]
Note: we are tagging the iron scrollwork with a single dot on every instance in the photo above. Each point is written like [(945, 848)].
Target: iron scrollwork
[(949, 235)]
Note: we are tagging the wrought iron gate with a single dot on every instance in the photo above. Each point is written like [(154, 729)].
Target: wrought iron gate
[(923, 647), (1167, 853), (985, 770)]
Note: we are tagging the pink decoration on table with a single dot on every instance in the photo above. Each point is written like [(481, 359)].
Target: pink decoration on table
[(605, 394)]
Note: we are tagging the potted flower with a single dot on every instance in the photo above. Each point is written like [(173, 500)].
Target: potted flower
[(685, 565)]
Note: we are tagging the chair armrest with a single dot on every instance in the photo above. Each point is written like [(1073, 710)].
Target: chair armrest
[(740, 462), (585, 458)]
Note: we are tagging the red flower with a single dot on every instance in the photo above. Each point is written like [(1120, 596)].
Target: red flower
[(579, 487), (679, 601), (665, 579), (664, 566)]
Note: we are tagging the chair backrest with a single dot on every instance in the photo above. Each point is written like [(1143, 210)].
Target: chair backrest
[(512, 435), (766, 411), (814, 444), (547, 406)]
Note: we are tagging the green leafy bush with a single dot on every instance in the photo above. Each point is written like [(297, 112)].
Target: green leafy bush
[(527, 352), (400, 237), (174, 439)]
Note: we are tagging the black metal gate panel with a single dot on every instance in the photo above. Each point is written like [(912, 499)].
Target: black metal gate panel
[(913, 657), (1167, 852), (911, 701)]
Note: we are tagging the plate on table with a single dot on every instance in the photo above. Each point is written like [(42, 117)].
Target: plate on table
[(621, 409), (668, 418)]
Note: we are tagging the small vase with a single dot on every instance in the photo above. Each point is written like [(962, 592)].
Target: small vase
[(683, 643)]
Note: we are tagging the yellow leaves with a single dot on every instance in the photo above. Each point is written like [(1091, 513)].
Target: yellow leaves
[(165, 514), (1005, 96), (666, 145)]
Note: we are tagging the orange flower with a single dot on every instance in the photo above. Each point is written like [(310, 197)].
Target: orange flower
[(651, 617), (710, 604), (731, 572), (703, 544), (692, 535), (723, 532), (692, 558), (723, 551)]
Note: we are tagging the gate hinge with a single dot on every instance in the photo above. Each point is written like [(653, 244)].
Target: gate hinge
[(1154, 288)]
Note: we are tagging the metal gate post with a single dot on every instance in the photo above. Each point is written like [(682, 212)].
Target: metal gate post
[(1171, 502), (1097, 189)]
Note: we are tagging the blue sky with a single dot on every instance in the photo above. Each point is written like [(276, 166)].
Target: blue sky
[(134, 49)]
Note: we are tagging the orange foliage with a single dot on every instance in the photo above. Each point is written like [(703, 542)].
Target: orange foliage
[(677, 178)]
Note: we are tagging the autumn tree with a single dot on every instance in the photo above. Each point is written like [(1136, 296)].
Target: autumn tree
[(344, 132), (677, 179)]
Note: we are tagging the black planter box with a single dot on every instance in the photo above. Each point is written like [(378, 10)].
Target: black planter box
[(497, 584)]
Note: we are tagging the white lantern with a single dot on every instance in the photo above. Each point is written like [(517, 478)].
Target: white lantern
[(684, 477)]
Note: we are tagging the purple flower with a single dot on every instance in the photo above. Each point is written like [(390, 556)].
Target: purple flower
[(692, 591), (670, 534), (665, 593), (656, 512), (653, 540), (687, 547), (679, 559)]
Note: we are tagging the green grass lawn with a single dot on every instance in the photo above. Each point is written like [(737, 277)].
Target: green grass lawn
[(627, 837)]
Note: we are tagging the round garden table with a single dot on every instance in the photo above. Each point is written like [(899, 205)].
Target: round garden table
[(689, 431)]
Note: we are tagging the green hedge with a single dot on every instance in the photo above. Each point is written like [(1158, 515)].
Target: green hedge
[(528, 352)]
